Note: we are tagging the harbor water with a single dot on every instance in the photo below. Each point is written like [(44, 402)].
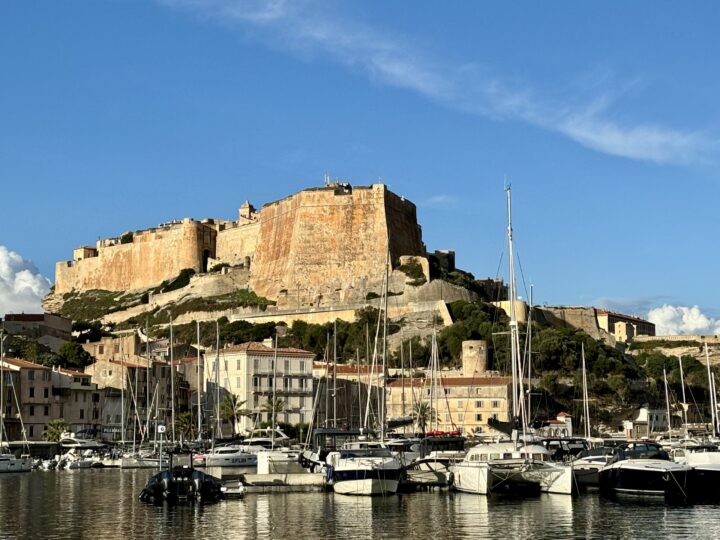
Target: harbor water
[(103, 503)]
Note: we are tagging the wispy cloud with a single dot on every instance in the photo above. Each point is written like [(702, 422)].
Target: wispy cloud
[(308, 28), (436, 201), (22, 287)]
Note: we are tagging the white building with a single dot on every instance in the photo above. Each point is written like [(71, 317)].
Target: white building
[(247, 371)]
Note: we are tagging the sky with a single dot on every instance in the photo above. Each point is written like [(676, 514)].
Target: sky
[(119, 115)]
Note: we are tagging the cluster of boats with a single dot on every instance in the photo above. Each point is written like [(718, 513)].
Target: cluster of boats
[(687, 471)]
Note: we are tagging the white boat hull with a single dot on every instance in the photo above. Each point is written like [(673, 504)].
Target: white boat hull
[(371, 486), (13, 464)]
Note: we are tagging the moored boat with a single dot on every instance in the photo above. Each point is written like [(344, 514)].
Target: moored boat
[(645, 469)]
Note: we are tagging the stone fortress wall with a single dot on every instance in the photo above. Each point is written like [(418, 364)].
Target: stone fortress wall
[(152, 256), (318, 247)]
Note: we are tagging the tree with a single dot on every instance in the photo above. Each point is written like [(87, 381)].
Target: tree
[(273, 408), (423, 414), (185, 425), (232, 409), (55, 429), (72, 355)]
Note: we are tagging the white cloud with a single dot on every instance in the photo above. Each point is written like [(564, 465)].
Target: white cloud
[(21, 285), (682, 320), (310, 28)]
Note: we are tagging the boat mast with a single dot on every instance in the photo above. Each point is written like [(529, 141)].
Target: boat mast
[(147, 379), (384, 350), (710, 391), (217, 382), (334, 392), (714, 400), (172, 381), (199, 387), (529, 355), (327, 377), (2, 384), (517, 400), (586, 405), (684, 403), (274, 386), (667, 405), (122, 395)]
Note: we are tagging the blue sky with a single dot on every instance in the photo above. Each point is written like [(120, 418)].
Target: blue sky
[(119, 115)]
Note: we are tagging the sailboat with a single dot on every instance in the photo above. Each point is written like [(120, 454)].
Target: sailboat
[(515, 467), (8, 461), (366, 467)]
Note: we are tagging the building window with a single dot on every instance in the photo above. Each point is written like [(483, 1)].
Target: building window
[(62, 411), (495, 404), (238, 365), (302, 365), (101, 349), (447, 417), (46, 410), (31, 375), (459, 404), (32, 431), (287, 366), (46, 392), (461, 417), (32, 410), (478, 404), (32, 390), (478, 417), (494, 416), (286, 384), (84, 397), (256, 364), (302, 383), (82, 414), (256, 382)]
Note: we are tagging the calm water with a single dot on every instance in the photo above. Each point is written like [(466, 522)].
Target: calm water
[(104, 504)]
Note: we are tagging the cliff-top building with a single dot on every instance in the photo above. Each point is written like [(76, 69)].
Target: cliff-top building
[(318, 244)]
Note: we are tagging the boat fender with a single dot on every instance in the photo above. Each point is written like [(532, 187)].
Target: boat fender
[(451, 479)]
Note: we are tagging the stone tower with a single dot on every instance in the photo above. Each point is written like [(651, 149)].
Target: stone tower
[(474, 358)]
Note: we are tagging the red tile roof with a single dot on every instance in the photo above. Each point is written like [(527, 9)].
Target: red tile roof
[(348, 369), (18, 362), (254, 347)]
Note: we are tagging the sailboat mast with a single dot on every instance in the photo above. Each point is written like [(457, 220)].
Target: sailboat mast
[(172, 381), (2, 384), (122, 395), (514, 338), (667, 405), (529, 355), (684, 403), (384, 351), (274, 392), (586, 405), (334, 392), (217, 380), (199, 387), (710, 390), (147, 377)]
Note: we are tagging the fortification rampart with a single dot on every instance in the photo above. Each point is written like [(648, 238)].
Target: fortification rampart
[(149, 258), (319, 247), (329, 246)]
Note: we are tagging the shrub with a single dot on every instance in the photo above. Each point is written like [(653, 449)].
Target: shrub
[(126, 238)]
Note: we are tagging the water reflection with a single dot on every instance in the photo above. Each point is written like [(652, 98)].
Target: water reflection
[(103, 504)]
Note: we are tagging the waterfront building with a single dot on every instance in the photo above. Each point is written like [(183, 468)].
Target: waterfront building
[(248, 371), (44, 394)]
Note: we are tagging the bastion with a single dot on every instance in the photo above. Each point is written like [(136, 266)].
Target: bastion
[(320, 246)]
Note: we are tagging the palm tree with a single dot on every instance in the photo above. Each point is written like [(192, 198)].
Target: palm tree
[(231, 410), (423, 414), (273, 408), (55, 429), (185, 425)]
